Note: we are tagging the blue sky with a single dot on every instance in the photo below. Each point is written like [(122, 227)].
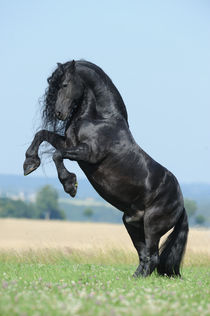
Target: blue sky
[(156, 52)]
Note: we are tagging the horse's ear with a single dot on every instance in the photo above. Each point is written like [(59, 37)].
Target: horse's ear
[(60, 67), (72, 67)]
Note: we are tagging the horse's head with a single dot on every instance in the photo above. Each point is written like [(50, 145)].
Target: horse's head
[(70, 92)]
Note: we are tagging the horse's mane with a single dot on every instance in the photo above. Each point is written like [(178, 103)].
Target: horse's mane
[(49, 118), (110, 84), (48, 101)]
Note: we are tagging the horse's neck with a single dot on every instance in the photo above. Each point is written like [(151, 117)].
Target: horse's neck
[(88, 106), (106, 103)]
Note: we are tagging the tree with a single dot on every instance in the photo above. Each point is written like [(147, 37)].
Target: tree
[(47, 203), (200, 219), (88, 212), (190, 207), (16, 208)]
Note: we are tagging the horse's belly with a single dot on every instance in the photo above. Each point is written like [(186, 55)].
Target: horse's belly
[(116, 188)]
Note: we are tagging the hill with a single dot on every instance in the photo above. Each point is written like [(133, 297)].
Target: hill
[(18, 186), (18, 183)]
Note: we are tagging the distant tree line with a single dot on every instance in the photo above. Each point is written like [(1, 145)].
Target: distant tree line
[(191, 208), (45, 206)]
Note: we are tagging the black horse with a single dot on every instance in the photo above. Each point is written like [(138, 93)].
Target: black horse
[(86, 120)]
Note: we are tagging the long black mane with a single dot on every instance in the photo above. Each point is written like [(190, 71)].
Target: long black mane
[(49, 118)]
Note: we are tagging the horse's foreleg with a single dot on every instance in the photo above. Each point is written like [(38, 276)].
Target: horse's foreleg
[(68, 180), (82, 152), (32, 160)]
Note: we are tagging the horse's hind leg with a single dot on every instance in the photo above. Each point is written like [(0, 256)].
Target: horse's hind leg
[(150, 259), (158, 221), (136, 232), (68, 180)]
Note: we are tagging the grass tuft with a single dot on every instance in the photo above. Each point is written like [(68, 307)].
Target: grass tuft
[(91, 256)]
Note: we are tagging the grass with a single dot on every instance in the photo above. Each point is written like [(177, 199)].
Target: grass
[(86, 269), (59, 284)]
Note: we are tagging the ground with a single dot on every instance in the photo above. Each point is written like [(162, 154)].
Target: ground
[(61, 268)]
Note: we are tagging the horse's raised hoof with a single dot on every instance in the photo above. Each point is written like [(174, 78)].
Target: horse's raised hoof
[(30, 164), (73, 190), (70, 185)]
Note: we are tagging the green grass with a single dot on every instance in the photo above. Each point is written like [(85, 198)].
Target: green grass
[(56, 284)]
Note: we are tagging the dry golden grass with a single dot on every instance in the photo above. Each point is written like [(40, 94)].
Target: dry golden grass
[(85, 242)]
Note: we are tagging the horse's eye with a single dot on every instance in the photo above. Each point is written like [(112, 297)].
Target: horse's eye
[(64, 85)]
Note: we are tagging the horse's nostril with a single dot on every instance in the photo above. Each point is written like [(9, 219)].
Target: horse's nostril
[(58, 113)]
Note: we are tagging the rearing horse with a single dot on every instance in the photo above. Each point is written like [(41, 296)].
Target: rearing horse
[(86, 121)]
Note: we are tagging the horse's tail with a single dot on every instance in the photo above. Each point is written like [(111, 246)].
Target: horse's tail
[(173, 249)]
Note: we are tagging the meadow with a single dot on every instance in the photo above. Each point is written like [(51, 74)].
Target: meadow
[(64, 268)]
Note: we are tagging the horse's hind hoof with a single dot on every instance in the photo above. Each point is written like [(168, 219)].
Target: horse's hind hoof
[(138, 273), (30, 164), (135, 276)]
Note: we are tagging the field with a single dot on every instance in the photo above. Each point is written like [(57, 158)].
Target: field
[(63, 268)]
